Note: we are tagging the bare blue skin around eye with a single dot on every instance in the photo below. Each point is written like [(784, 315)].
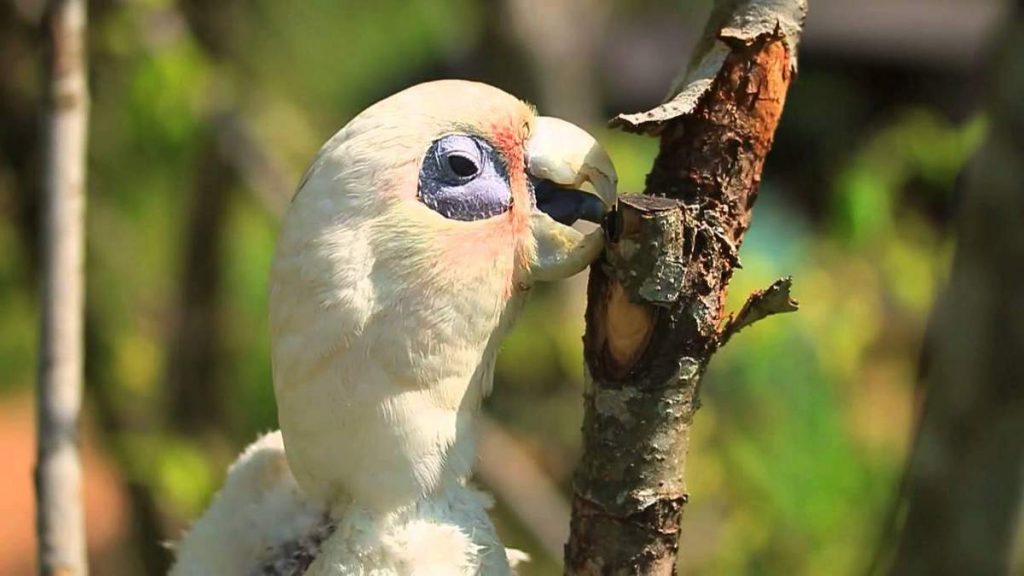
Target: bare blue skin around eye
[(452, 191)]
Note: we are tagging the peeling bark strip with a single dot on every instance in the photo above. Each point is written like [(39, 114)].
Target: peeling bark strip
[(58, 474), (654, 309)]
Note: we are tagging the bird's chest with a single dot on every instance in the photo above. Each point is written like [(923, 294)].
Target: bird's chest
[(391, 417)]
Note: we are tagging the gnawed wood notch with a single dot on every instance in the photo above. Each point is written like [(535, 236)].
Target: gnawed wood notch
[(654, 315)]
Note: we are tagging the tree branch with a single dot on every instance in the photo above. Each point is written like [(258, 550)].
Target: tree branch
[(58, 474), (655, 302)]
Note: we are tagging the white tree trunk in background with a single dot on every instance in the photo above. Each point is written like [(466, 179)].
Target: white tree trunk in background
[(60, 515)]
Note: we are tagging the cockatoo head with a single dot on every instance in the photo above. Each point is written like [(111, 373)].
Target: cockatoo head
[(465, 173), (412, 233)]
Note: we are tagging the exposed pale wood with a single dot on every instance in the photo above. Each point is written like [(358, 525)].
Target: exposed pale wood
[(628, 328)]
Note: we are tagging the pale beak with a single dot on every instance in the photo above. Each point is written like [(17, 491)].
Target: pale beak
[(573, 179)]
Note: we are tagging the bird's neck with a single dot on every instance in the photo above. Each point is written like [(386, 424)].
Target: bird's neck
[(378, 379)]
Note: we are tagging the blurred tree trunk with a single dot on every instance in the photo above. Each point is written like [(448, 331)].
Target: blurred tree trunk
[(654, 313), (963, 487), (58, 475), (197, 396), (20, 110)]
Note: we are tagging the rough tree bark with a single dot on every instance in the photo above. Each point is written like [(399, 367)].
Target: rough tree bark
[(964, 484), (58, 475), (654, 314)]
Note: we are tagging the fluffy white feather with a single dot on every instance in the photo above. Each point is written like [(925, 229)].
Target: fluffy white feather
[(259, 510), (260, 523)]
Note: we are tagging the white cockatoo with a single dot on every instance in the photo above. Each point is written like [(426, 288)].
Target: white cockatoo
[(401, 264)]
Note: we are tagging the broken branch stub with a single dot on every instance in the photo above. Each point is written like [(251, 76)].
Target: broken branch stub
[(775, 299)]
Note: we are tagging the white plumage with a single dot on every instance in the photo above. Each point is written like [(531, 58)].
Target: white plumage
[(386, 318), (261, 523)]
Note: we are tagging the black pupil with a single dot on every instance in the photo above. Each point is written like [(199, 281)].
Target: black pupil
[(462, 167)]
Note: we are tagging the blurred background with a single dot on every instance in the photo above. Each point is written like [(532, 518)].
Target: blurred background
[(204, 114)]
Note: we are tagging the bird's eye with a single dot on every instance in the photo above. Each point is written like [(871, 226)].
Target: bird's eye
[(463, 177), (462, 166), (460, 157)]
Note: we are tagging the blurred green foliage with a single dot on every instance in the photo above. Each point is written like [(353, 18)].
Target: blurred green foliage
[(918, 145), (805, 419)]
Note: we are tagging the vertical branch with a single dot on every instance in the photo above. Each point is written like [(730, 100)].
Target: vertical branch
[(60, 517), (197, 399), (654, 311)]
